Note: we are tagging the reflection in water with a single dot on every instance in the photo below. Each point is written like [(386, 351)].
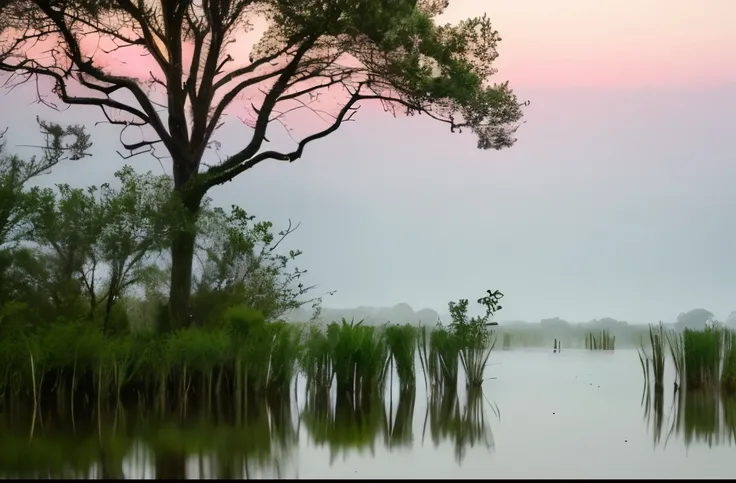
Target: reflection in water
[(465, 426), (698, 416), (653, 402), (258, 440), (206, 446), (348, 424), (400, 423)]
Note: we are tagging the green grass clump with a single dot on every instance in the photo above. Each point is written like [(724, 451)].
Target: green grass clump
[(474, 356), (443, 360), (316, 360), (655, 357), (702, 357), (601, 341), (359, 357), (728, 373), (474, 338), (402, 345), (354, 356), (73, 364)]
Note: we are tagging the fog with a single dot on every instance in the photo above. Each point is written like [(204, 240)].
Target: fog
[(614, 203)]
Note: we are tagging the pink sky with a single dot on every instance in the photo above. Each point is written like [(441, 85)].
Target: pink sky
[(597, 43), (611, 43)]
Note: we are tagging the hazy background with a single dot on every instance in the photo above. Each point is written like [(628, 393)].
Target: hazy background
[(617, 200)]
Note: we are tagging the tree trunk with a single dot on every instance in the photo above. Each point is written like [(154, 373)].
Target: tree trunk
[(114, 283), (182, 257)]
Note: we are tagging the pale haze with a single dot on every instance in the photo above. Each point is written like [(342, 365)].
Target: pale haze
[(617, 201)]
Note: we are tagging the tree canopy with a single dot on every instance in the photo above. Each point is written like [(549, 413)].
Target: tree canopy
[(391, 52), (383, 50), (100, 254)]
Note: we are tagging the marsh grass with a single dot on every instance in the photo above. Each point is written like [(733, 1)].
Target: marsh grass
[(316, 360), (424, 347), (354, 356), (728, 372), (360, 359), (702, 357), (443, 359), (402, 345), (676, 343), (654, 358), (474, 356), (72, 365), (600, 341)]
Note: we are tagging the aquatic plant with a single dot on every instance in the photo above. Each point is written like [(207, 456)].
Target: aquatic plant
[(402, 345), (728, 372), (702, 357), (73, 364), (655, 357), (443, 359), (475, 339), (355, 356), (316, 360), (676, 344), (602, 340)]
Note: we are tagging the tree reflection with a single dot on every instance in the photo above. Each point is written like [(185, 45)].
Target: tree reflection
[(260, 445)]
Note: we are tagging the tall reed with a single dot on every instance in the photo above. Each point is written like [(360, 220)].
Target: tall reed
[(656, 355), (443, 359), (600, 341), (402, 344), (676, 343), (474, 356), (728, 373), (702, 357)]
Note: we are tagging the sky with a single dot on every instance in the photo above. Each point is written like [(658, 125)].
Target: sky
[(617, 200)]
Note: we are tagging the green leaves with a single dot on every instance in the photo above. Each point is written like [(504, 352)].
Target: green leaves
[(242, 264)]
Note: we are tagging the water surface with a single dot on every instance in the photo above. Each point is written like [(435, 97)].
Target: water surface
[(575, 414)]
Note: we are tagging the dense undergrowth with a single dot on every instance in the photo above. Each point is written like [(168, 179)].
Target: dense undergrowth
[(245, 357)]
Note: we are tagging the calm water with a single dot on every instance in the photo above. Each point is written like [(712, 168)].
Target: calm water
[(573, 414)]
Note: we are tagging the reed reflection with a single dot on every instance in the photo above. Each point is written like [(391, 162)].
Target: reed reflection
[(464, 425)]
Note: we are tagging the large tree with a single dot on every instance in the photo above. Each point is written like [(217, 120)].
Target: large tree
[(383, 51)]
